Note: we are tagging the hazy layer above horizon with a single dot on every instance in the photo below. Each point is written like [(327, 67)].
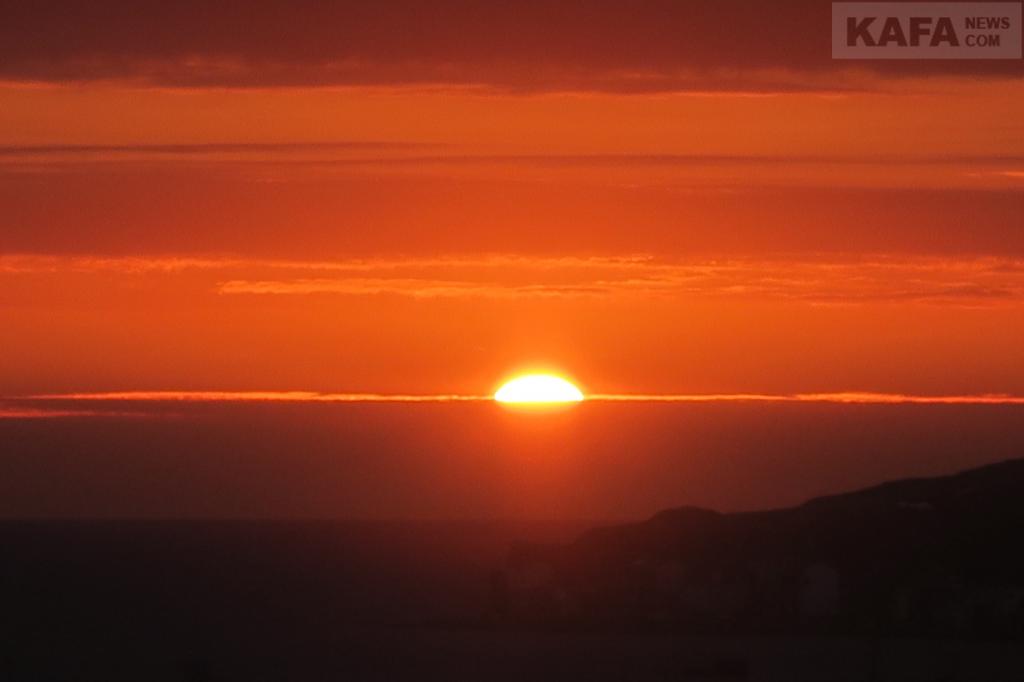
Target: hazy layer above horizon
[(476, 460)]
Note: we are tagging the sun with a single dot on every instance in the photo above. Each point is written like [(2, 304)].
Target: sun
[(538, 388)]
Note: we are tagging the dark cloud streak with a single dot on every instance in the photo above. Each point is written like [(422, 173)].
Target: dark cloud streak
[(532, 45), (205, 148)]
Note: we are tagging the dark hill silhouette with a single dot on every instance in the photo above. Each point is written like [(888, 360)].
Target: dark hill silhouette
[(922, 556)]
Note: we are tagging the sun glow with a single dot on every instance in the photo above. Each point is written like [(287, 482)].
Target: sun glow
[(538, 388)]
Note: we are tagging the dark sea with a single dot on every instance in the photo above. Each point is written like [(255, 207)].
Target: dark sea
[(309, 600), (169, 599)]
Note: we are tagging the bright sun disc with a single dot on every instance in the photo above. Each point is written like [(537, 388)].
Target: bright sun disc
[(538, 388)]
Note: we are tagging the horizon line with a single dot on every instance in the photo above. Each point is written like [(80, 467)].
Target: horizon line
[(845, 397)]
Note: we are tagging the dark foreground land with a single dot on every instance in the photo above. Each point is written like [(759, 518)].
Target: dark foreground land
[(928, 557), (914, 580)]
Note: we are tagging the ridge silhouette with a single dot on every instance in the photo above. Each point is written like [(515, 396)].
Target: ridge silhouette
[(924, 556)]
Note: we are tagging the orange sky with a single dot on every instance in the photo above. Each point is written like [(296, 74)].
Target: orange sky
[(205, 212)]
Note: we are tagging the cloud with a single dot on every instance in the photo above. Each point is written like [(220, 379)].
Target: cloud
[(811, 279), (847, 397), (962, 282), (389, 153), (416, 288), (160, 150), (531, 45), (245, 396), (49, 412), (280, 170)]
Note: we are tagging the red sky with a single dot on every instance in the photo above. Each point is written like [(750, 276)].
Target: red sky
[(656, 198)]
